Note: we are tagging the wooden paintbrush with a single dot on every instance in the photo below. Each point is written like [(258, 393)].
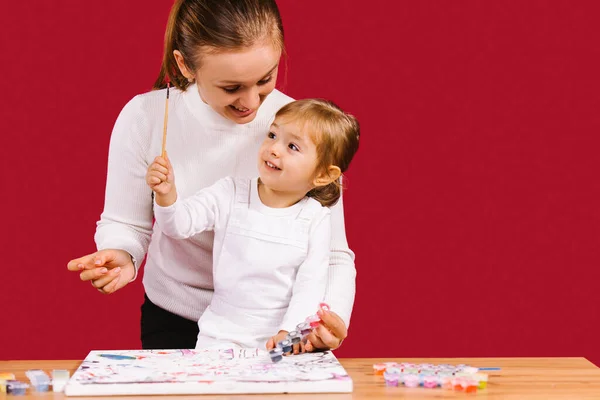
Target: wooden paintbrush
[(164, 140)]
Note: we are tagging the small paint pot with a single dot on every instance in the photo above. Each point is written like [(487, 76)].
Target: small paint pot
[(391, 379), (295, 337), (470, 386), (430, 381), (16, 388), (482, 379), (379, 369), (411, 380), (285, 345), (313, 321), (276, 354), (304, 328), (446, 381), (392, 369)]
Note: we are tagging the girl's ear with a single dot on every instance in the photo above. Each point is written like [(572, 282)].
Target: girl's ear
[(181, 65), (330, 174)]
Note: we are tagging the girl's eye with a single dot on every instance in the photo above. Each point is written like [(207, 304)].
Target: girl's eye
[(232, 89), (293, 147), (271, 135), (264, 81)]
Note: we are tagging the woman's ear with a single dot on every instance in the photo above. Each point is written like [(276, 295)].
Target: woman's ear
[(332, 173), (182, 67)]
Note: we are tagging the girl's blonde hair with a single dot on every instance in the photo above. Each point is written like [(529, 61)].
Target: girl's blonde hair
[(335, 133), (215, 25)]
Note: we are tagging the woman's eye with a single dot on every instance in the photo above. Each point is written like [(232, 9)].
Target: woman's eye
[(264, 81), (232, 89)]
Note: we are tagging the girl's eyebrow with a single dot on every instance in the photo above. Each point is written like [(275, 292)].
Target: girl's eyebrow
[(297, 138), (239, 83)]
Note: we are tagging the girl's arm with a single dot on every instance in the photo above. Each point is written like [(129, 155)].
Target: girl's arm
[(311, 278), (198, 213)]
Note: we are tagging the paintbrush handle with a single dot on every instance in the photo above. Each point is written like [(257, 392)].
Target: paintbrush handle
[(164, 139)]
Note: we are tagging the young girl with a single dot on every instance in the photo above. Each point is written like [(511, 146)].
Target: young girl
[(272, 233), (222, 58)]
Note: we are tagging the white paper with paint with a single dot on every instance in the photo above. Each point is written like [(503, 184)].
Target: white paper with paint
[(205, 371)]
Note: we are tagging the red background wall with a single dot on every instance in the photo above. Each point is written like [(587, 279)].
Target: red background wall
[(473, 204)]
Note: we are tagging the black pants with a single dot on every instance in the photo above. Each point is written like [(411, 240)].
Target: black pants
[(162, 329)]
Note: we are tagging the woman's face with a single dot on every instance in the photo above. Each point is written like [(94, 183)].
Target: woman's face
[(235, 83)]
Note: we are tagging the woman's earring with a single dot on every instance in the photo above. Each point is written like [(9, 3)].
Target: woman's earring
[(190, 80)]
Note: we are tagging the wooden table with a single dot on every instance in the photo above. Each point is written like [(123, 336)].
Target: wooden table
[(519, 378)]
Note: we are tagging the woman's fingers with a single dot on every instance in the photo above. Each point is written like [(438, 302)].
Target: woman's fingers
[(114, 285), (93, 274), (80, 263)]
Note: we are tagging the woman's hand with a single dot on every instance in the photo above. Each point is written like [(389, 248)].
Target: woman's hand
[(108, 270), (329, 334)]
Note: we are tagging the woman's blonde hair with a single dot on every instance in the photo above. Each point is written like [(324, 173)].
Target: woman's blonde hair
[(335, 133), (215, 25)]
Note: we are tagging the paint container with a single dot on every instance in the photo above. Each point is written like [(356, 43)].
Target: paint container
[(482, 380), (4, 377), (39, 380), (391, 378), (276, 354), (304, 329), (60, 377), (379, 369), (446, 381), (470, 385), (16, 388), (411, 380), (392, 369), (285, 345), (313, 321), (430, 381), (295, 337)]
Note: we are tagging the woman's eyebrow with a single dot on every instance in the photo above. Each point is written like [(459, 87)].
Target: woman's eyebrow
[(239, 83)]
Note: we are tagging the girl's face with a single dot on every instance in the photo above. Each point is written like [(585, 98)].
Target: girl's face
[(235, 83), (287, 159)]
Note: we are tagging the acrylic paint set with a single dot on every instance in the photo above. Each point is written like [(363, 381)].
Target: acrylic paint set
[(456, 377), (294, 337), (39, 381)]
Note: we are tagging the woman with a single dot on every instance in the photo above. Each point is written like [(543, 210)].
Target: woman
[(222, 57)]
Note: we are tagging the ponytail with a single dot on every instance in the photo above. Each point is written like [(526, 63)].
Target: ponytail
[(327, 195), (169, 72)]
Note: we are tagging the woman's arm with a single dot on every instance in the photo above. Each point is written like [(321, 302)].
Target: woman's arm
[(341, 286), (126, 222)]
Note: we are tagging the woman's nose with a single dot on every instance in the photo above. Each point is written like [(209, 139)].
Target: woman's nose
[(251, 99)]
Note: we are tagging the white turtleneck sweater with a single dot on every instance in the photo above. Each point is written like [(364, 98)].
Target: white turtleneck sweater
[(203, 147)]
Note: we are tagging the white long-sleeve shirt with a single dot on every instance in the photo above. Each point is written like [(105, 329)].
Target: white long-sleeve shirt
[(269, 264), (203, 147)]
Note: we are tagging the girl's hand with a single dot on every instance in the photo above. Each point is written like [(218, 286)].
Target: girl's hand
[(108, 270), (160, 176), (296, 348), (329, 334)]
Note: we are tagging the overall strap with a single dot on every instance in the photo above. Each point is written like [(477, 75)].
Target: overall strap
[(308, 212)]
